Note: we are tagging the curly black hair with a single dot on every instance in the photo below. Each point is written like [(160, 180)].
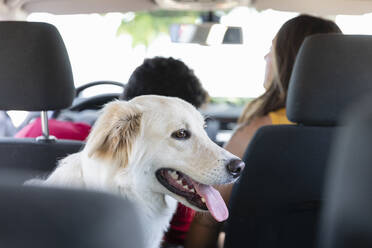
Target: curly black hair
[(166, 77)]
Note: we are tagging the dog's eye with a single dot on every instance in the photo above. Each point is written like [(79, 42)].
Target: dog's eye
[(181, 134)]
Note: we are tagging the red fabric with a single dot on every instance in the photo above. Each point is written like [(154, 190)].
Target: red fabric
[(179, 225), (59, 129), (181, 220)]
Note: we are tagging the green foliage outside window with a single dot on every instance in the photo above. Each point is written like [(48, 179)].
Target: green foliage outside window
[(144, 27)]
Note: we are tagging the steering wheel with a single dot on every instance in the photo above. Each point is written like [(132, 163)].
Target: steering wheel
[(95, 102)]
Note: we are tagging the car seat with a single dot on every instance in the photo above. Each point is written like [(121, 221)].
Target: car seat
[(42, 217), (35, 75), (277, 201)]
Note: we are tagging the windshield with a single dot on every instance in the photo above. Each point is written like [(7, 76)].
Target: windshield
[(101, 49)]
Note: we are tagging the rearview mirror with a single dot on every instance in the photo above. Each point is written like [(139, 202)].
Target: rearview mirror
[(206, 34)]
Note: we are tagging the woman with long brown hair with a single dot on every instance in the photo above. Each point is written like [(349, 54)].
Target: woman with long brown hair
[(268, 109)]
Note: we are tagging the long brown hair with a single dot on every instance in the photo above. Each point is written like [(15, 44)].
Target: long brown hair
[(287, 43)]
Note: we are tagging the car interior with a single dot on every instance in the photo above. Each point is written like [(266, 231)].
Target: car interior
[(304, 185)]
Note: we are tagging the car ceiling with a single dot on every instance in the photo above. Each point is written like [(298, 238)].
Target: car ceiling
[(320, 7)]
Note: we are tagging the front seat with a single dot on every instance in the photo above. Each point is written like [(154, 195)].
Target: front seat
[(277, 201), (35, 75), (347, 216), (41, 217)]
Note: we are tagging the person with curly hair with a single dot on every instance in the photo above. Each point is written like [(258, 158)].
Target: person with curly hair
[(166, 77)]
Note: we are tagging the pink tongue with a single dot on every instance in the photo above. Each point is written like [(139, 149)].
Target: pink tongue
[(216, 205)]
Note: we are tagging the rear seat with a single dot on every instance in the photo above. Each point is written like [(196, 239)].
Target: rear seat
[(40, 217), (279, 196), (35, 75)]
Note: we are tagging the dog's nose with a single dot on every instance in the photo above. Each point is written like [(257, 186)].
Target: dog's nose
[(235, 167)]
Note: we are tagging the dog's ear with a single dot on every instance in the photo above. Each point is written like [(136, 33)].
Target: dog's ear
[(114, 132)]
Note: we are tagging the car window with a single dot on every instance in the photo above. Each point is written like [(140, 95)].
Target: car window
[(355, 24)]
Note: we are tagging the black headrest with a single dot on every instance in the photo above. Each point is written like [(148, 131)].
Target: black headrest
[(35, 71), (331, 71), (40, 217)]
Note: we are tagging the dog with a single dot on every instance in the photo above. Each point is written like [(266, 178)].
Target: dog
[(154, 151)]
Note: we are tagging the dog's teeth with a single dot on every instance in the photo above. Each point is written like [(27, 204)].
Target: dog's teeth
[(185, 187), (174, 176), (192, 190), (203, 200)]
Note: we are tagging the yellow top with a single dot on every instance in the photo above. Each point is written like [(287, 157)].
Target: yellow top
[(279, 117)]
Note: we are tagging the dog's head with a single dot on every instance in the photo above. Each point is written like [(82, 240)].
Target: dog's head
[(162, 144)]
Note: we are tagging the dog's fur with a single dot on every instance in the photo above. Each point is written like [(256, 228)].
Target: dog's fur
[(130, 142)]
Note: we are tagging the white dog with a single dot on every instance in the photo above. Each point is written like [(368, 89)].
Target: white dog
[(146, 150)]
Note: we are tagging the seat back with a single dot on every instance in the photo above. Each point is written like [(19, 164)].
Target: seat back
[(40, 217), (35, 75), (276, 203), (347, 217), (36, 157), (279, 196)]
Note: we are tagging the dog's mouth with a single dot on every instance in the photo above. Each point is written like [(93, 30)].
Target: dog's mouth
[(181, 185), (202, 196)]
